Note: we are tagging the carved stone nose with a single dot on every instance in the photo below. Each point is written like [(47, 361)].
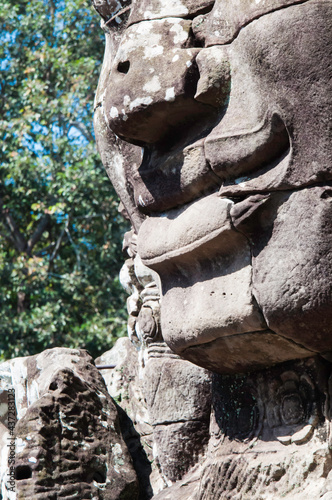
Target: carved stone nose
[(153, 82)]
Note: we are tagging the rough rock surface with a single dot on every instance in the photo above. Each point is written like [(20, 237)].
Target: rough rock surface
[(167, 402), (123, 384), (229, 201), (68, 438), (270, 434), (230, 102)]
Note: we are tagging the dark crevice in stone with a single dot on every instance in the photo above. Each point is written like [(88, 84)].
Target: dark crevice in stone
[(123, 67), (23, 472), (141, 462)]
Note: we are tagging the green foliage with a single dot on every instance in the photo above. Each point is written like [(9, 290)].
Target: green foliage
[(60, 232)]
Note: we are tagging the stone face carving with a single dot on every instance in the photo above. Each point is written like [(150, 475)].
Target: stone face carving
[(230, 199), (212, 121)]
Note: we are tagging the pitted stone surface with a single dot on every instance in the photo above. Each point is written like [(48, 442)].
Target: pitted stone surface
[(68, 438), (156, 9)]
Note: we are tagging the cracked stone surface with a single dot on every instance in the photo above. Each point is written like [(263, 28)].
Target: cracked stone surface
[(167, 402), (68, 438)]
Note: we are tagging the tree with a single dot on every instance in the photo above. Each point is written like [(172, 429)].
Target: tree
[(60, 232)]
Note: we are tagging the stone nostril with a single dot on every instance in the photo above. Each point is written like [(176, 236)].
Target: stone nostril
[(123, 67)]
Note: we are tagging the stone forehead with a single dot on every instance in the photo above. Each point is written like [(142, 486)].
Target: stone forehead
[(228, 17), (143, 10), (227, 9), (215, 21)]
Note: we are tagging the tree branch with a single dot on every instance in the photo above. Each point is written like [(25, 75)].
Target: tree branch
[(38, 233), (18, 238), (57, 246), (78, 257), (8, 237)]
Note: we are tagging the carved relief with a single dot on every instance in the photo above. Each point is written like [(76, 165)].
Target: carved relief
[(212, 120), (229, 102)]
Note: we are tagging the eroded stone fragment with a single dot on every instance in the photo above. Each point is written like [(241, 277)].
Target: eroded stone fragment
[(214, 76), (68, 439)]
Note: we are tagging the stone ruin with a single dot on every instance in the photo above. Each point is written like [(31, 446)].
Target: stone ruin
[(212, 119)]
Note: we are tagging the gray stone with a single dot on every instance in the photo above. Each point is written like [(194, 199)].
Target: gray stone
[(230, 206), (68, 439), (246, 132), (226, 19), (156, 9), (168, 402)]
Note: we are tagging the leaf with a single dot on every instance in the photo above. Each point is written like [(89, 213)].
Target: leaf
[(72, 293)]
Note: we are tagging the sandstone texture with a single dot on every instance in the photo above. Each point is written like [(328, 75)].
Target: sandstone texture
[(68, 438), (167, 406), (229, 201), (213, 121)]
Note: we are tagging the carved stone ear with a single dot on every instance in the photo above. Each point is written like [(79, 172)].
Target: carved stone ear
[(214, 83)]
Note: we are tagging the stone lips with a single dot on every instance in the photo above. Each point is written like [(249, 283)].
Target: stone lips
[(212, 317), (176, 237)]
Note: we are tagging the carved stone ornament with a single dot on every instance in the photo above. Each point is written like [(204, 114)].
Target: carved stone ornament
[(213, 121)]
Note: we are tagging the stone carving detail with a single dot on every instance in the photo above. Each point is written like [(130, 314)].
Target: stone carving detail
[(269, 434), (143, 303), (212, 121), (68, 439), (289, 402), (230, 197)]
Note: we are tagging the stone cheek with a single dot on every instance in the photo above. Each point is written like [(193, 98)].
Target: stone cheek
[(295, 292)]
